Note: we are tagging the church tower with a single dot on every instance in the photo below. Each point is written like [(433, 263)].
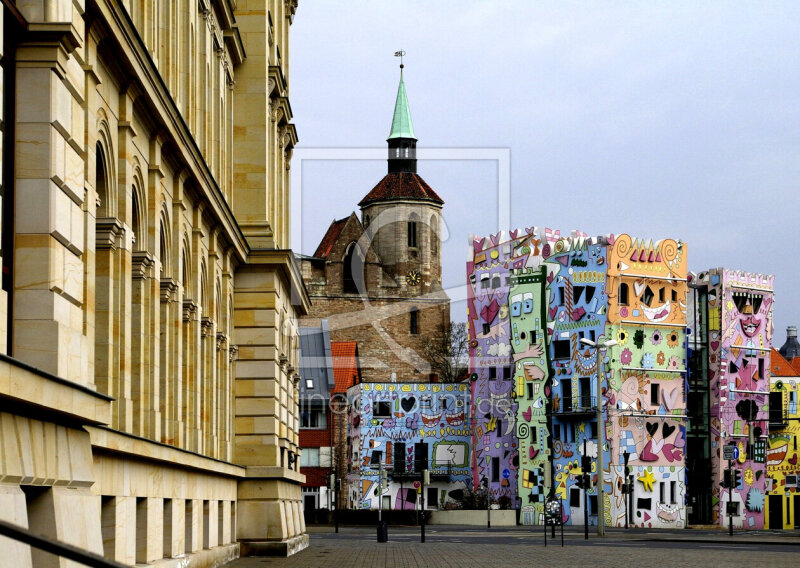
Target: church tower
[(378, 277), (402, 213)]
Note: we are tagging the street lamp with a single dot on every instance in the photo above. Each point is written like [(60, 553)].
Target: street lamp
[(600, 347)]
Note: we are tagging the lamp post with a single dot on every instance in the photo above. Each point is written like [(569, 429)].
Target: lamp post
[(600, 348)]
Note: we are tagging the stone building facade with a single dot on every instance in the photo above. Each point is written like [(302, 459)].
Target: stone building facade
[(149, 306), (378, 278)]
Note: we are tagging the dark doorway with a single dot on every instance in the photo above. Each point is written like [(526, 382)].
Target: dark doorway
[(797, 511), (776, 511)]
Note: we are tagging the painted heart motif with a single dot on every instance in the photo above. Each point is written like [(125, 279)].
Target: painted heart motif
[(514, 233), (496, 238), (527, 414), (647, 454), (550, 276), (656, 447), (488, 313), (532, 452), (530, 230), (553, 312), (670, 398), (652, 428), (671, 453), (408, 403), (714, 345), (477, 245), (578, 313), (638, 287), (667, 430)]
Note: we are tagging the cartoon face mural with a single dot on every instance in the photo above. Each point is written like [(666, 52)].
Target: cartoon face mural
[(740, 337), (647, 281), (576, 309), (494, 411), (528, 342), (783, 456), (405, 428)]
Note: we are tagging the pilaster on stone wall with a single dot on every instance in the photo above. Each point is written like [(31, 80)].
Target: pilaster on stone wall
[(268, 298), (49, 293)]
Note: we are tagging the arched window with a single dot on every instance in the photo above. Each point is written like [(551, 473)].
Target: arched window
[(101, 182), (412, 231), (353, 270), (136, 221), (434, 228)]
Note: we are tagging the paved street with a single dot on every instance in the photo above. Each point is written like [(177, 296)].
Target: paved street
[(461, 547)]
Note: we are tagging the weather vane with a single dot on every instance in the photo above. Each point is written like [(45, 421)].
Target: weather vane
[(400, 54)]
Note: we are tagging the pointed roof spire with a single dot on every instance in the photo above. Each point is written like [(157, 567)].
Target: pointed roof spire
[(402, 126)]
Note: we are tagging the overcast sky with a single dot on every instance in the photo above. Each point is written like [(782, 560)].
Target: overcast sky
[(677, 120)]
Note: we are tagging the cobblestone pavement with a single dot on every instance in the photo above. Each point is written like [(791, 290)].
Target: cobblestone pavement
[(462, 548)]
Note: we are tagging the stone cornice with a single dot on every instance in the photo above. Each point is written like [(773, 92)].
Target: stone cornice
[(285, 262), (22, 385), (168, 289), (109, 230), (141, 264), (144, 449), (189, 309)]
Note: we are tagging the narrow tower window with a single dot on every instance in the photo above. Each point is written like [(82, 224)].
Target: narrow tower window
[(412, 234), (413, 323)]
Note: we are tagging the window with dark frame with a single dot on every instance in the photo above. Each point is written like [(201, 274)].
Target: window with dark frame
[(413, 321), (561, 349), (381, 409), (399, 457), (412, 234), (655, 389), (623, 294)]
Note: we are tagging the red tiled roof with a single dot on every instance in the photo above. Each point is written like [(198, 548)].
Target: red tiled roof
[(325, 245), (401, 185), (780, 367), (796, 364), (345, 364)]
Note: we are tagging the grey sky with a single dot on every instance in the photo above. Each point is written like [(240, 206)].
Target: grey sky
[(647, 118)]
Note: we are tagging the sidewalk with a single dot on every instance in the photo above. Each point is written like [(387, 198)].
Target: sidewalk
[(691, 534)]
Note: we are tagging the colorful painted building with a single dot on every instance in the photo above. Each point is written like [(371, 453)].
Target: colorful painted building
[(782, 510), (576, 308), (494, 411), (405, 428), (646, 382), (527, 308), (735, 329), (564, 291)]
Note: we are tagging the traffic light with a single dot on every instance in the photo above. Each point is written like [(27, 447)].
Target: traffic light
[(587, 481), (384, 481), (737, 478), (580, 480), (726, 479), (586, 464)]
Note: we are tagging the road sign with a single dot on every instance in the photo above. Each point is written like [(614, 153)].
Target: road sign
[(506, 473), (730, 452)]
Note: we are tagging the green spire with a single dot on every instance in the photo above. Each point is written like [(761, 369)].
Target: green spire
[(401, 122)]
